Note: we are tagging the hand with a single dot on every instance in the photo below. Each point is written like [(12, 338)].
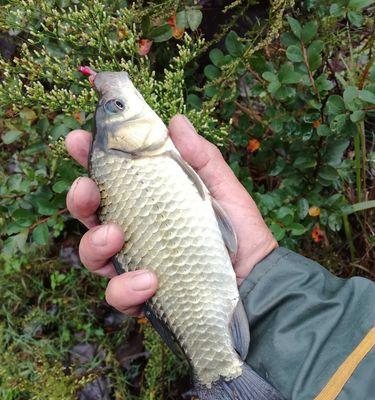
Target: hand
[(129, 291)]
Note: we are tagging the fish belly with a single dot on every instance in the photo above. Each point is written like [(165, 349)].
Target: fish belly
[(172, 231)]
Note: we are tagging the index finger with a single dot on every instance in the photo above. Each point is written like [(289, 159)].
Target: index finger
[(78, 144)]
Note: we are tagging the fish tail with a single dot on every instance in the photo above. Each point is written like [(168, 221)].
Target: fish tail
[(248, 386)]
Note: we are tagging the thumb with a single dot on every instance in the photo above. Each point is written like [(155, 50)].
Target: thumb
[(205, 158)]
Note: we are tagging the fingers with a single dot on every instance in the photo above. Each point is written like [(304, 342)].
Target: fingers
[(205, 158), (82, 201), (127, 292), (78, 144), (98, 245)]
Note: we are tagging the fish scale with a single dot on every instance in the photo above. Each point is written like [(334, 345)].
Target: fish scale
[(172, 231)]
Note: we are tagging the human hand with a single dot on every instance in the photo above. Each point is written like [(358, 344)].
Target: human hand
[(127, 292)]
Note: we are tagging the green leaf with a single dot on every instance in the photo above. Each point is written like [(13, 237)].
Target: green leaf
[(335, 222), (269, 76), (194, 101), (304, 162), (11, 136), (161, 33), (288, 39), (41, 234), (277, 231), (328, 173), (338, 122), (309, 31), (337, 10), (302, 208), (211, 72), (45, 207), (357, 116), (313, 54), (295, 26), (294, 53), (217, 57), (233, 45), (323, 84), (60, 186), (364, 205), (297, 229), (355, 18), (181, 20), (359, 4), (335, 151), (194, 18), (350, 94), (323, 130), (335, 105), (278, 167), (367, 96), (287, 74)]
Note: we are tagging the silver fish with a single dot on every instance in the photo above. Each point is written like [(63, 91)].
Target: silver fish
[(175, 228)]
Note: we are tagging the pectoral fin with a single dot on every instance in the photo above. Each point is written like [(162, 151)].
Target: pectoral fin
[(226, 228), (189, 171), (240, 330), (164, 332)]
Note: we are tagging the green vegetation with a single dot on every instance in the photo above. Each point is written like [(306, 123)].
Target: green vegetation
[(290, 101)]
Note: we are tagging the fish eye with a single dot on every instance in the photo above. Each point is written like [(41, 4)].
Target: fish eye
[(114, 106)]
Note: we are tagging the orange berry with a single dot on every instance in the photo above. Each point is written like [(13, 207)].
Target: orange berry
[(253, 145), (314, 211)]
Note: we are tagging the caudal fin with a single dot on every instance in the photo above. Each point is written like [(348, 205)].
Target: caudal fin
[(248, 386)]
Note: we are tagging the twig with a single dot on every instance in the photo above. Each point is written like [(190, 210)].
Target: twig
[(306, 61), (40, 221)]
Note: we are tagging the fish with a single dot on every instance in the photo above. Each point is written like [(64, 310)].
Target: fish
[(175, 228)]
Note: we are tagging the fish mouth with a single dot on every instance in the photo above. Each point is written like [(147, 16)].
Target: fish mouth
[(90, 72)]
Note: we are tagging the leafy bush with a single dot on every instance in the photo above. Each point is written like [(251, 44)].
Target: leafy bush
[(290, 102)]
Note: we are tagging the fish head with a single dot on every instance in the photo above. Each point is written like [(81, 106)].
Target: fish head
[(123, 119)]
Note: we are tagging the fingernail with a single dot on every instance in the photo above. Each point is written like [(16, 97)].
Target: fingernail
[(189, 124), (141, 281), (99, 236)]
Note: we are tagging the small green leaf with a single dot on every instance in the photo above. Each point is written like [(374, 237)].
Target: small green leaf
[(359, 4), (161, 33), (217, 57), (323, 84), (288, 39), (297, 229), (328, 173), (287, 74), (11, 136), (335, 150), (367, 96), (355, 18), (41, 234), (337, 10), (194, 101), (269, 76), (211, 72), (277, 231), (323, 130), (194, 18), (278, 167), (304, 162), (295, 26), (357, 116), (313, 54), (233, 45), (335, 222), (294, 53), (350, 94), (60, 186), (302, 208), (335, 105), (309, 32), (181, 20)]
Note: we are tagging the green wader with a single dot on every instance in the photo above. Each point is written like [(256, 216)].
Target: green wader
[(312, 334)]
